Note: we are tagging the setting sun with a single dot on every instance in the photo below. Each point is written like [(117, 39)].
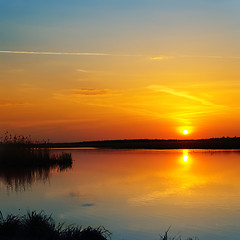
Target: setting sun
[(185, 132)]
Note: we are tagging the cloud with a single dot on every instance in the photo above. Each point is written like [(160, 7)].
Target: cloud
[(192, 113), (160, 58), (56, 53), (159, 88), (68, 53), (82, 70), (89, 91), (157, 58)]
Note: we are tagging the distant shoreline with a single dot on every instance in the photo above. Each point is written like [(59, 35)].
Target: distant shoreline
[(211, 143)]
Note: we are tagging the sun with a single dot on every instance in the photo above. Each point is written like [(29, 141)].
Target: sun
[(185, 132)]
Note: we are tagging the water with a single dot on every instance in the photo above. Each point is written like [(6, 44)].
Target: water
[(136, 194)]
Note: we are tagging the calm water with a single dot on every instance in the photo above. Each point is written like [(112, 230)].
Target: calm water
[(136, 194)]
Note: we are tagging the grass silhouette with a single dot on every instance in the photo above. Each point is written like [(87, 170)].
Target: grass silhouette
[(21, 151), (39, 226), (167, 237)]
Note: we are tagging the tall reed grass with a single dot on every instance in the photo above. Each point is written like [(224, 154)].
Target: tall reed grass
[(167, 237), (21, 151), (39, 226)]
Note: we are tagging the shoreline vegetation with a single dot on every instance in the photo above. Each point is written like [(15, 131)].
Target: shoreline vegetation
[(22, 162), (211, 143), (39, 226), (20, 151)]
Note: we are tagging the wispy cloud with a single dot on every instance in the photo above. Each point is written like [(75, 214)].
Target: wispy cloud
[(82, 70), (159, 88), (156, 58), (69, 53), (57, 53), (160, 58), (188, 114), (89, 91)]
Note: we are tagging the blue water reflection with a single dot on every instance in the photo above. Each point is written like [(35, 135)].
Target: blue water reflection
[(137, 194)]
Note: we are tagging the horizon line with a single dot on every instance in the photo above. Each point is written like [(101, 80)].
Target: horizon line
[(150, 139)]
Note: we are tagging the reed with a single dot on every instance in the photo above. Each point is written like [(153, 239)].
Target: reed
[(21, 151), (39, 226), (167, 237)]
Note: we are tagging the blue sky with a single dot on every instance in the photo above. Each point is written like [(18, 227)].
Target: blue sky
[(107, 25)]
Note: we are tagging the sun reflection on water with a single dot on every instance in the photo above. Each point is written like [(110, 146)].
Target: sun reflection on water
[(185, 155)]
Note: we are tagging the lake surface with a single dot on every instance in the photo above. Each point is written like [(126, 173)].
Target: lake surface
[(136, 194)]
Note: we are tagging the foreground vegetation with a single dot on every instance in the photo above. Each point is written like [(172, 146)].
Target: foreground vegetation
[(21, 151), (167, 237), (39, 226)]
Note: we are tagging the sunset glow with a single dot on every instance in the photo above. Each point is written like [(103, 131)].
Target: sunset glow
[(120, 115), (103, 71)]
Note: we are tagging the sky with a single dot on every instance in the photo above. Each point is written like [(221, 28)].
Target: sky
[(119, 69)]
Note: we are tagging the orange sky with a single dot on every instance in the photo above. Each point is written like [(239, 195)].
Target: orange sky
[(129, 71)]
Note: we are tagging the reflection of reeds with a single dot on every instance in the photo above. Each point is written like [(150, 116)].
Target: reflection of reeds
[(19, 178), (21, 164), (42, 227)]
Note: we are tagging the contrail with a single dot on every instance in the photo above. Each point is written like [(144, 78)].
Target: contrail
[(57, 53)]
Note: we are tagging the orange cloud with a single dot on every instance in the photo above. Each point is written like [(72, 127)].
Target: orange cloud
[(160, 58), (89, 91)]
